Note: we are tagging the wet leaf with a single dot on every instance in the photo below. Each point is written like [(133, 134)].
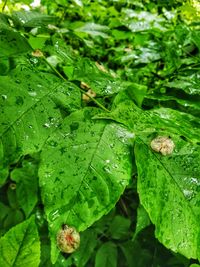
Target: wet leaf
[(168, 188), (148, 121), (31, 104), (85, 167)]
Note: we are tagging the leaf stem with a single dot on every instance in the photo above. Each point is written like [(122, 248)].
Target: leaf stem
[(4, 5), (64, 79)]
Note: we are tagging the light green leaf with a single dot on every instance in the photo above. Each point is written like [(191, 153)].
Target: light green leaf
[(107, 255), (31, 104), (168, 188), (20, 246), (138, 21), (94, 29), (32, 18), (26, 185), (85, 167)]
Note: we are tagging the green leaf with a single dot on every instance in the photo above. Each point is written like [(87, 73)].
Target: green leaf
[(85, 167), (87, 245), (14, 217), (26, 185), (137, 92), (100, 82), (135, 255), (142, 122), (107, 255), (138, 21), (190, 106), (142, 221), (32, 19), (20, 246), (31, 104), (119, 227), (168, 188), (93, 29), (12, 43), (189, 84)]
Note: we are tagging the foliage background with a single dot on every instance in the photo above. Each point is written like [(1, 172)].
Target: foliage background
[(141, 58)]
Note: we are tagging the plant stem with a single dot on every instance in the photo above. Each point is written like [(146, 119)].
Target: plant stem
[(4, 5), (64, 79)]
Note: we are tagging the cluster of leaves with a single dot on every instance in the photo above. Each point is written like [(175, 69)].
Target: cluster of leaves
[(69, 157)]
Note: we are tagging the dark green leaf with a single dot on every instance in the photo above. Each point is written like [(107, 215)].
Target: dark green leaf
[(107, 255), (119, 227), (26, 185)]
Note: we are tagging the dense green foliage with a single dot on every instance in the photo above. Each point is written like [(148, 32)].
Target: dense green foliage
[(85, 86)]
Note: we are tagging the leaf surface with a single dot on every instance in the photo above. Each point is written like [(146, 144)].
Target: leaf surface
[(148, 121), (106, 255), (26, 185), (168, 188), (31, 104), (20, 246), (85, 167)]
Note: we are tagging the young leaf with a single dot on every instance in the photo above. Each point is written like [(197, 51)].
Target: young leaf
[(20, 246), (107, 255), (85, 167), (168, 188)]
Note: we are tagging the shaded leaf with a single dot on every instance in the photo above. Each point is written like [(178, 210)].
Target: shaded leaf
[(26, 185), (106, 255), (142, 220), (12, 43), (119, 227)]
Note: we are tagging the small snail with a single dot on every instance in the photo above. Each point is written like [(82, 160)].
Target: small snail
[(163, 144), (68, 239)]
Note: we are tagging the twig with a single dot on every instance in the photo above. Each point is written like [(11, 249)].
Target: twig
[(4, 5), (64, 79)]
